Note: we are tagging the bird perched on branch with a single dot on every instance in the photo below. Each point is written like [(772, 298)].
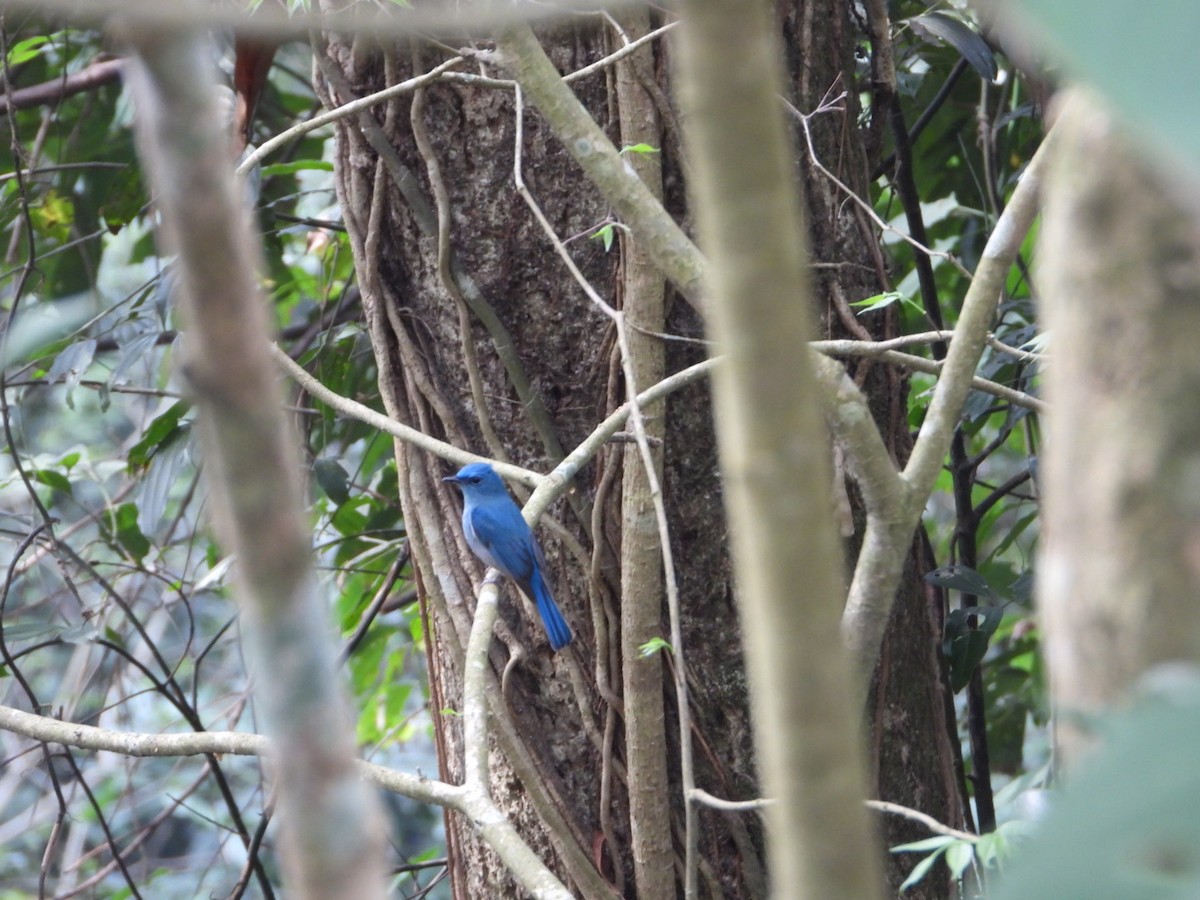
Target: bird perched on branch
[(499, 535)]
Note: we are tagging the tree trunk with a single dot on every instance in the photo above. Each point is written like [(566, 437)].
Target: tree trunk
[(1121, 553), (910, 726), (546, 371)]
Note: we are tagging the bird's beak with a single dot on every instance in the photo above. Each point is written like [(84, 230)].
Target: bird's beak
[(453, 478)]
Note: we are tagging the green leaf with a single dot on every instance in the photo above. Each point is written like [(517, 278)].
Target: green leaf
[(123, 525), (639, 148), (333, 479), (963, 579), (54, 215), (165, 429), (123, 200), (352, 597), (27, 631), (604, 234), (920, 870), (54, 479), (968, 632), (963, 655), (80, 633), (364, 662), (30, 48), (70, 366), (1011, 534), (932, 843), (1125, 824), (959, 856), (300, 165), (959, 35), (160, 479), (878, 301), (395, 700), (350, 521), (1021, 588), (132, 354), (988, 848), (430, 854)]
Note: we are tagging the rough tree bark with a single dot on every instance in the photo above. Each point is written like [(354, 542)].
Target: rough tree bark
[(566, 350), (547, 370)]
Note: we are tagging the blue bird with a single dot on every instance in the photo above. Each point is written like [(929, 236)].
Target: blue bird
[(499, 535)]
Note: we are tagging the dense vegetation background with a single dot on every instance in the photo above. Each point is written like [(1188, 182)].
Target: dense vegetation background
[(412, 263)]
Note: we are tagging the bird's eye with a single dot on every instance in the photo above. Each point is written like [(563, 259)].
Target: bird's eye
[(474, 480)]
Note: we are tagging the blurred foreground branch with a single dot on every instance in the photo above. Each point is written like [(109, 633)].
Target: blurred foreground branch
[(333, 836)]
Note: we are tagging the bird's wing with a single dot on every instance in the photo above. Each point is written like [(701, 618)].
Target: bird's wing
[(506, 537)]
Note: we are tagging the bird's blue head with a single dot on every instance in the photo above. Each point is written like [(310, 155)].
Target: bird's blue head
[(479, 480)]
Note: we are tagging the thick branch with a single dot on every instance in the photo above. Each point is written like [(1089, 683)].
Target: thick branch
[(849, 418), (497, 831), (476, 798), (774, 454), (95, 75), (333, 831), (641, 552)]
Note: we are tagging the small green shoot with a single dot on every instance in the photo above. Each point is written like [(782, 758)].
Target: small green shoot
[(604, 234), (652, 646), (880, 301)]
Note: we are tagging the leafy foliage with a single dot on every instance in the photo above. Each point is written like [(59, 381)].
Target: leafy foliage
[(1125, 825)]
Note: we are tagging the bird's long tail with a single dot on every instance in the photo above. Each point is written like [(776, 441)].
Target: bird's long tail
[(556, 626)]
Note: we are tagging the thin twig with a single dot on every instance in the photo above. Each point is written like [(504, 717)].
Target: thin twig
[(61, 167), (350, 108), (917, 816), (617, 55), (829, 104), (396, 429), (381, 596), (929, 337), (929, 366), (201, 743)]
